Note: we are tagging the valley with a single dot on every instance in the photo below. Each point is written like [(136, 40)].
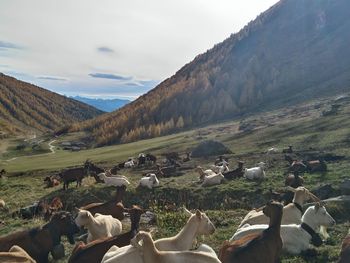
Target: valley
[(302, 126), (285, 56), (257, 121), (26, 109)]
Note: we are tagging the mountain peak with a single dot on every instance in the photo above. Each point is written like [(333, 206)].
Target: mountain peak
[(294, 51)]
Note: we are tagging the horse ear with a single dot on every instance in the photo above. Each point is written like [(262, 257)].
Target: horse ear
[(76, 209), (198, 214)]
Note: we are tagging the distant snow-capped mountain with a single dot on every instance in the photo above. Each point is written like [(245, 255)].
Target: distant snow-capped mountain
[(107, 105)]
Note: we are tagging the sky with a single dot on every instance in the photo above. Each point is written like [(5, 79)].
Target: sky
[(112, 48)]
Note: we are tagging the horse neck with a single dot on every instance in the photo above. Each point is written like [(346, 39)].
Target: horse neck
[(188, 233)]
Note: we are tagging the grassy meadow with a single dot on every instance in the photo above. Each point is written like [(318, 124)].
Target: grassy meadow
[(302, 126)]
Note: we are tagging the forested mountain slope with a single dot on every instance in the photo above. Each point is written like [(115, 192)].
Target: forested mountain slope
[(24, 106), (295, 51)]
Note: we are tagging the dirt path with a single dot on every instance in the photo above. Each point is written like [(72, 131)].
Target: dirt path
[(31, 138), (12, 159), (52, 147)]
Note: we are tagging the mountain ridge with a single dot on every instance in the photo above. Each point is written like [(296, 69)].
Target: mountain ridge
[(24, 106), (294, 51), (106, 105)]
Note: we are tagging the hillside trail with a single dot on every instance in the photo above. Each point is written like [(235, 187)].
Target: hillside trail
[(31, 138), (51, 148)]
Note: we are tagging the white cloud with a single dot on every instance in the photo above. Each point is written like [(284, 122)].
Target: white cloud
[(143, 39)]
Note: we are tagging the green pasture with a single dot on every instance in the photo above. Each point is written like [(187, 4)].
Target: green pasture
[(226, 204)]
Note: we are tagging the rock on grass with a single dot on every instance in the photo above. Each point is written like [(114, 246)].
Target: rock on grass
[(210, 148)]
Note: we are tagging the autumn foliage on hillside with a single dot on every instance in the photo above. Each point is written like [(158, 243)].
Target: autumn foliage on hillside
[(296, 50), (23, 106)]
